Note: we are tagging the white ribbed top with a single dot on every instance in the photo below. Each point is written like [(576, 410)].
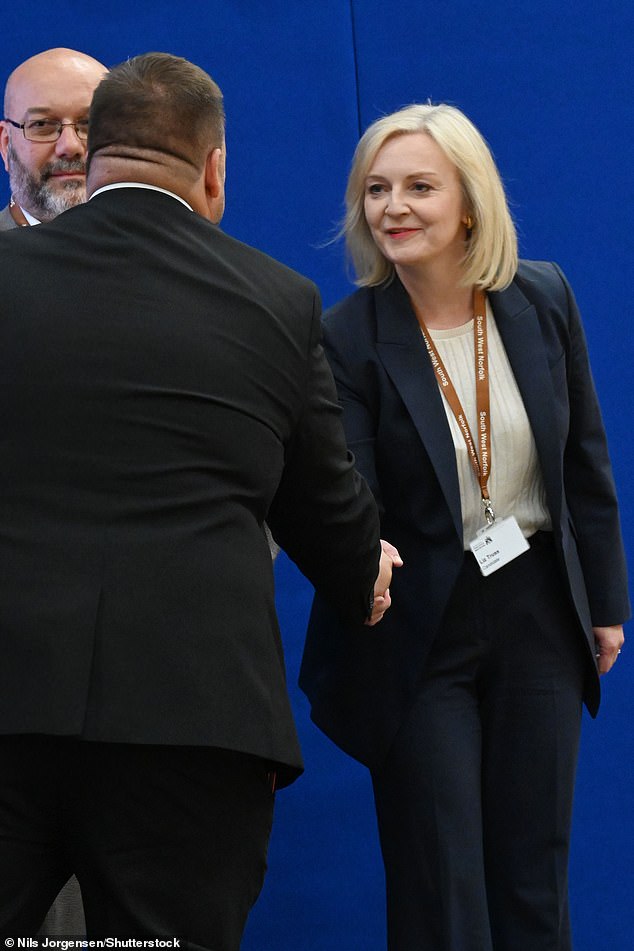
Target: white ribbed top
[(515, 482)]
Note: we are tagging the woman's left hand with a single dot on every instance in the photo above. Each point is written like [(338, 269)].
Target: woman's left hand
[(608, 642)]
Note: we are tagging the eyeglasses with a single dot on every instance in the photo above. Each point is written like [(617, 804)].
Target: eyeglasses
[(49, 130)]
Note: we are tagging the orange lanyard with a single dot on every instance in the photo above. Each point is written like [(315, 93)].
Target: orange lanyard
[(16, 213), (481, 464)]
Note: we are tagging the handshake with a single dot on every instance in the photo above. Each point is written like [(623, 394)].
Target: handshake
[(390, 559)]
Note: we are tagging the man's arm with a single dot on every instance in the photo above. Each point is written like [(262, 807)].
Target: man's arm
[(323, 514)]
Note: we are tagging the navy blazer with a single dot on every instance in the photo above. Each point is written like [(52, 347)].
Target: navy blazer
[(361, 682)]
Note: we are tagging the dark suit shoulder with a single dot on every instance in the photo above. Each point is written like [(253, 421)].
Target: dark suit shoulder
[(275, 287), (542, 281), (351, 323), (153, 213), (354, 306), (349, 332), (260, 262), (540, 285)]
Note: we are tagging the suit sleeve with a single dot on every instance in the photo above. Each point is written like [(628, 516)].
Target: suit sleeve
[(589, 485), (323, 514), (355, 395)]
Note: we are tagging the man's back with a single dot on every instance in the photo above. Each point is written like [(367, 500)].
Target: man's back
[(154, 379), (163, 392)]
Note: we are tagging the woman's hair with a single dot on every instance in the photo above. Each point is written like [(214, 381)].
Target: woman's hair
[(491, 247)]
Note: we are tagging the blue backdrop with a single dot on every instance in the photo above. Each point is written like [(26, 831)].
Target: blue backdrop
[(550, 85)]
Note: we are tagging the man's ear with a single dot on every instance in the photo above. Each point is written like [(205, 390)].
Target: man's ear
[(215, 183), (4, 144)]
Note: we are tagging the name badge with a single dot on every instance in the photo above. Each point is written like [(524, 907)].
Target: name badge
[(497, 544)]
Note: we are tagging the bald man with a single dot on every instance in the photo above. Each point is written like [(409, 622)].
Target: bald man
[(43, 146), (43, 134)]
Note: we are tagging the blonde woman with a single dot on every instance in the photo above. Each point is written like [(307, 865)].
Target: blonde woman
[(469, 405)]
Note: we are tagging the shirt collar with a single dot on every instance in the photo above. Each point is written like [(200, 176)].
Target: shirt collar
[(154, 188), (31, 220)]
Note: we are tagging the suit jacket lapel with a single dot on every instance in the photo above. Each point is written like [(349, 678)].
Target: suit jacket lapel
[(401, 348), (402, 351), (519, 328)]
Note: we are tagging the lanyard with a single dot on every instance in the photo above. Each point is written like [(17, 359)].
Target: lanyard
[(481, 464), (16, 213)]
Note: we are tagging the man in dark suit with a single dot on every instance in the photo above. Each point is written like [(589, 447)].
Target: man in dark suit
[(43, 146), (147, 436)]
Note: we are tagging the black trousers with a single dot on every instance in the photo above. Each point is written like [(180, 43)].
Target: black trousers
[(165, 841), (474, 803)]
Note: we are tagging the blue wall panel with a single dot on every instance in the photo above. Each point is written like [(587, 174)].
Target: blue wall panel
[(550, 86)]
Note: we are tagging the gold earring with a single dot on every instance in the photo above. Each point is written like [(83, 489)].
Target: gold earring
[(469, 223)]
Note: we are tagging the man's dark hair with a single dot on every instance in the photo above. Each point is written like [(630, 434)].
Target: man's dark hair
[(160, 102)]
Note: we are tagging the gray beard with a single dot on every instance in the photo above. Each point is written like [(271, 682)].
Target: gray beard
[(35, 193)]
